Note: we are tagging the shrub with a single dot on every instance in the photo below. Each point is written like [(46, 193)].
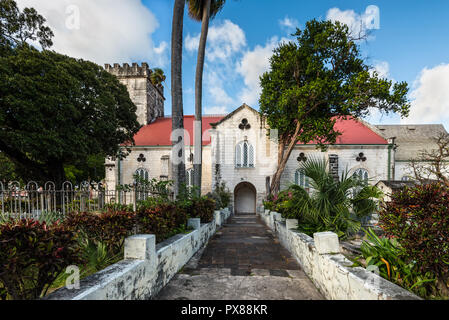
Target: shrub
[(110, 228), (118, 207), (161, 220), (221, 196), (203, 208), (387, 256), (336, 206), (32, 255), (418, 218)]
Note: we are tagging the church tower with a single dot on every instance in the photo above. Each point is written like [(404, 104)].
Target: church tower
[(148, 98)]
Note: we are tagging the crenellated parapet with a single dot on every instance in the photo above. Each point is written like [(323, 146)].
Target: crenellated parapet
[(148, 98), (127, 70)]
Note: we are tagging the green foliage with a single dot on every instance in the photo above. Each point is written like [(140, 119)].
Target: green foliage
[(18, 27), (161, 219), (221, 196), (8, 171), (157, 76), (314, 81), (203, 208), (198, 206), (60, 111), (418, 218), (158, 188), (110, 228), (330, 205), (320, 76), (32, 255), (118, 207), (90, 170), (388, 257), (96, 256), (196, 8)]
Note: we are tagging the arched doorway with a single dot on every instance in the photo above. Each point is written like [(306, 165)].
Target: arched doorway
[(245, 198)]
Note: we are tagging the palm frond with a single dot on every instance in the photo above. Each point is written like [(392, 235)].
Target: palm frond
[(196, 7)]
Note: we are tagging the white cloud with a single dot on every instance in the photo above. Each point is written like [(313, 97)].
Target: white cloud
[(253, 65), (109, 31), (216, 110), (216, 89), (358, 23), (289, 23), (430, 96), (383, 69), (222, 41)]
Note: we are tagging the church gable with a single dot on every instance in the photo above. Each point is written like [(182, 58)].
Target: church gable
[(235, 118)]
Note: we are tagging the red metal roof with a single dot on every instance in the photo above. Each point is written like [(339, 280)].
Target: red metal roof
[(355, 132), (158, 132)]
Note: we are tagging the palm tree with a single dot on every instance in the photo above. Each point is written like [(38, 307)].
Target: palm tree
[(157, 76), (178, 148), (332, 205), (204, 11)]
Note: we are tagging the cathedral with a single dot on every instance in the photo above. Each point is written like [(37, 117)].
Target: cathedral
[(240, 150)]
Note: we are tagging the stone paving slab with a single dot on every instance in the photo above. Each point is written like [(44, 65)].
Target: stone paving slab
[(243, 261)]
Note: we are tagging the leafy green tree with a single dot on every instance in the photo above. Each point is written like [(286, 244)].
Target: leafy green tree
[(204, 11), (7, 170), (18, 27), (58, 114), (317, 78), (56, 110), (90, 170)]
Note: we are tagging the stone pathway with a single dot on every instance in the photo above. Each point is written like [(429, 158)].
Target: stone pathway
[(243, 261)]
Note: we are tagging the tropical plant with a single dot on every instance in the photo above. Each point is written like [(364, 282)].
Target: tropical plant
[(110, 228), (157, 76), (161, 219), (204, 11), (32, 255), (418, 218), (387, 257), (317, 79), (178, 146), (332, 205)]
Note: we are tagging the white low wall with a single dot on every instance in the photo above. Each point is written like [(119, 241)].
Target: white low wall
[(147, 268), (331, 271)]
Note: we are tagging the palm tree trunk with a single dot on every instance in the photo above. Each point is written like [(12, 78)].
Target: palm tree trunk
[(198, 148), (178, 145)]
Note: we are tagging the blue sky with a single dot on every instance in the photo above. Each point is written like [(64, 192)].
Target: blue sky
[(410, 45)]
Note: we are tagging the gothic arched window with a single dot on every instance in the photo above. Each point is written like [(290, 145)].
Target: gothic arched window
[(142, 174), (244, 155), (361, 174), (301, 179)]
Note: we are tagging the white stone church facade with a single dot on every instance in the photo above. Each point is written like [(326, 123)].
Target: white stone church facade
[(238, 151)]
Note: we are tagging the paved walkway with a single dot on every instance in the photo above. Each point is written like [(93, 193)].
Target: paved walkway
[(243, 261)]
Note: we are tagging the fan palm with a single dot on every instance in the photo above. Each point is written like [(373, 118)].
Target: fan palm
[(332, 205), (204, 11), (157, 76)]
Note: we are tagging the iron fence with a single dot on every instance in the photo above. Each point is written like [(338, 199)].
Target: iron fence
[(32, 199)]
